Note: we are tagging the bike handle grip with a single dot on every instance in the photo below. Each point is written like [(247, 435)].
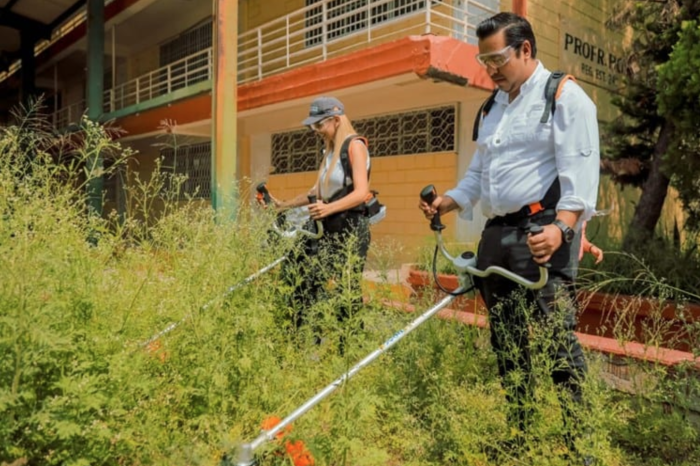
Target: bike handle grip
[(428, 195)]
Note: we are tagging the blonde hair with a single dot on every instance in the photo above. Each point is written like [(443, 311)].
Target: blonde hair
[(344, 130)]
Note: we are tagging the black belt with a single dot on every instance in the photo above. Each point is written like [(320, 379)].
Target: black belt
[(515, 219)]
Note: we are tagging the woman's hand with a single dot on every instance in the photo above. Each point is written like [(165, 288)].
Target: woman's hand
[(320, 210), (596, 252), (276, 203)]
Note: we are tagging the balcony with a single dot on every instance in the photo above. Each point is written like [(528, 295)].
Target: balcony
[(311, 34)]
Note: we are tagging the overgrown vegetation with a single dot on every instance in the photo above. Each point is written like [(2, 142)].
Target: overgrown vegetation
[(78, 387)]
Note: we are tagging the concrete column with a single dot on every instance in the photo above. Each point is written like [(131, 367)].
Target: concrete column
[(224, 107), (95, 87)]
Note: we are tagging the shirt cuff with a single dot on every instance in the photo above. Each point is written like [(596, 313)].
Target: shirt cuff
[(466, 210), (574, 204)]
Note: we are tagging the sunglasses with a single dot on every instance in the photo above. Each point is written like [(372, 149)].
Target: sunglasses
[(495, 59), (319, 124)]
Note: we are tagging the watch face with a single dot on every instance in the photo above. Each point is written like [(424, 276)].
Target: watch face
[(566, 232), (569, 235)]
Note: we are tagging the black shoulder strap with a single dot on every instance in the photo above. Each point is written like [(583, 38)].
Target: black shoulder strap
[(552, 89), (483, 111), (345, 159)]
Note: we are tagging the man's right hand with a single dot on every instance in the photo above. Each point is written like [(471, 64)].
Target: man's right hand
[(429, 210)]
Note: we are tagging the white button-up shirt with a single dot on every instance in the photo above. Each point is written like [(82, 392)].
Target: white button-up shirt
[(518, 158)]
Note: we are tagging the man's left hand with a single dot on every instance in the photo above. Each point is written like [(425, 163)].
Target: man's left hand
[(543, 245)]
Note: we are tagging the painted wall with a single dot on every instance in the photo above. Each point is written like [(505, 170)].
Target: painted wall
[(571, 36)]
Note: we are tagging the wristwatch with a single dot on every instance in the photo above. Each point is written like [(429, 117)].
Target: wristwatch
[(567, 233)]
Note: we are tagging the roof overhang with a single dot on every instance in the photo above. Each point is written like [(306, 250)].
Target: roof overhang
[(428, 56)]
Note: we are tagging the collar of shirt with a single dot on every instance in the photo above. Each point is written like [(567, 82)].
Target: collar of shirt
[(534, 82)]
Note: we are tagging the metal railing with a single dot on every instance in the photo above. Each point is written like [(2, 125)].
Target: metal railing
[(179, 74), (69, 114), (308, 35), (329, 28)]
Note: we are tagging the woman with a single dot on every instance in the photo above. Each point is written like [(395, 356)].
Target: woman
[(342, 250)]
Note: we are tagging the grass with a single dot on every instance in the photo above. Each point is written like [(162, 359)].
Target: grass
[(77, 387)]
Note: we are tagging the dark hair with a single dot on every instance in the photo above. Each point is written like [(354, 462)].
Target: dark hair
[(516, 30)]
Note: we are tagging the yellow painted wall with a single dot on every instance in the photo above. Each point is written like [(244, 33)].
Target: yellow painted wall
[(583, 20), (619, 203), (399, 180)]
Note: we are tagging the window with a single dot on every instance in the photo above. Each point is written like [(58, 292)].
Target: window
[(186, 71), (193, 163), (417, 132), (344, 17), (296, 151)]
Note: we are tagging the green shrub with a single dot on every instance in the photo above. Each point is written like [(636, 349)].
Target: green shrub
[(79, 296)]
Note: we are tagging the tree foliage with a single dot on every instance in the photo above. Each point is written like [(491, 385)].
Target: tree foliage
[(679, 99), (654, 140)]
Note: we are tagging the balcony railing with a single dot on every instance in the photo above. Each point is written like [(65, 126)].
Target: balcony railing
[(329, 28), (308, 35), (177, 75), (69, 114)]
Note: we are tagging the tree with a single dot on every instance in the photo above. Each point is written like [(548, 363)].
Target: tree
[(679, 99), (646, 146)]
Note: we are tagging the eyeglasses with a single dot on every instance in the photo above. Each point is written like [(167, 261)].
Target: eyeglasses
[(319, 124), (495, 59)]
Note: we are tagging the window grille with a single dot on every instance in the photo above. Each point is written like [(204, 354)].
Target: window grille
[(416, 132), (296, 151), (345, 17), (193, 40), (193, 162)]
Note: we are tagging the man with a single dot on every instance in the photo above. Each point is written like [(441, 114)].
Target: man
[(528, 172)]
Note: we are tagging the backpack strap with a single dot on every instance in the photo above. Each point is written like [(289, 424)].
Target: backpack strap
[(483, 111), (347, 169), (345, 159), (552, 91)]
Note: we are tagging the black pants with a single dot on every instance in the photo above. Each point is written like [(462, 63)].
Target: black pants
[(338, 257), (551, 309)]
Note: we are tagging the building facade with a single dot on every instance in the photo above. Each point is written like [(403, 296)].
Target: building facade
[(216, 91)]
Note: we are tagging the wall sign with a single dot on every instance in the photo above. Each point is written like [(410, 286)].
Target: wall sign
[(593, 57)]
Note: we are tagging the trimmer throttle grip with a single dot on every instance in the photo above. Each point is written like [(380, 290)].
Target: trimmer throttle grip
[(312, 225), (263, 194), (535, 229), (428, 195)]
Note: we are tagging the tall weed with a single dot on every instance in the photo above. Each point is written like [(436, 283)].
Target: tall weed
[(78, 385)]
